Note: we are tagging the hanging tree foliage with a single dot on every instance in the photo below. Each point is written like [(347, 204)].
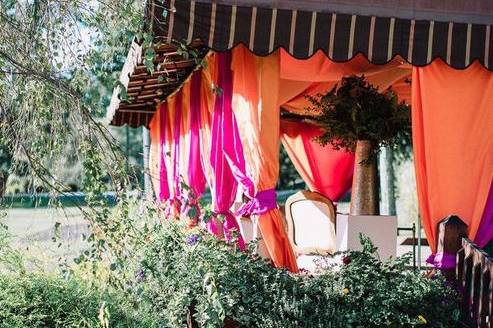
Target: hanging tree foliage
[(59, 61), (356, 110)]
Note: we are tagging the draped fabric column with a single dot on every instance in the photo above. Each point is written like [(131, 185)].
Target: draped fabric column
[(452, 121), (173, 122), (324, 169), (205, 124), (163, 172), (169, 155), (256, 107), (196, 177), (233, 148), (225, 183), (156, 151), (190, 165), (177, 158)]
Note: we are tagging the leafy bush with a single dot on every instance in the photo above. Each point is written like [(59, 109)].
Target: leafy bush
[(40, 300), (386, 294), (174, 274), (186, 272)]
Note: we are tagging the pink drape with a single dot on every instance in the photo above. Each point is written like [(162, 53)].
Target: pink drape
[(226, 153), (176, 143), (196, 177), (324, 169), (176, 158), (163, 172)]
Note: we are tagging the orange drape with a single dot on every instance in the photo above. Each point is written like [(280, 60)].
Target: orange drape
[(320, 74), (452, 113), (167, 148), (184, 129), (256, 106), (206, 109), (155, 148)]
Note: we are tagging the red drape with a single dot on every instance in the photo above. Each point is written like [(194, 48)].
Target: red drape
[(452, 113), (324, 169)]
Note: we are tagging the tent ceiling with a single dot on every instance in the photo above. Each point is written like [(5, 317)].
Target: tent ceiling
[(459, 32), (339, 35), (460, 11)]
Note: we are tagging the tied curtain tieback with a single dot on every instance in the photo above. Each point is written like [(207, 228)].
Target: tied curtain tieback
[(261, 203), (442, 260)]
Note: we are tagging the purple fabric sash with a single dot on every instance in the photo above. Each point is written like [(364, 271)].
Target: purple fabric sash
[(163, 172), (485, 231), (443, 261), (263, 202)]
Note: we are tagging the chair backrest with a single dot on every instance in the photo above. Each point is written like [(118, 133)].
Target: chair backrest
[(311, 221)]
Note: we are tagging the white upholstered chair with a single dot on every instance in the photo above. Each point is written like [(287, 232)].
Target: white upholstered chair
[(311, 225)]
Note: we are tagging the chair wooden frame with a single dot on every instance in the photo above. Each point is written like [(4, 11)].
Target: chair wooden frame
[(302, 196)]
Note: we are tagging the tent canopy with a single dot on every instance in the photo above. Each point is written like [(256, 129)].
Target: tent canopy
[(459, 11), (418, 31)]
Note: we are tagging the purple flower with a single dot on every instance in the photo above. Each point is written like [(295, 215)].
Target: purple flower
[(346, 260), (192, 240)]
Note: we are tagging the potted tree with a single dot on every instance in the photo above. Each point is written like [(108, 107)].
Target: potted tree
[(356, 116)]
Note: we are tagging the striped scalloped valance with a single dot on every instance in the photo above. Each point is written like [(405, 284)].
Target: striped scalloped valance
[(339, 36)]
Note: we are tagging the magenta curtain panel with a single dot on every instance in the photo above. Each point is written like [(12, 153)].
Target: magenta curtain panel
[(226, 153), (485, 231), (163, 172), (196, 177)]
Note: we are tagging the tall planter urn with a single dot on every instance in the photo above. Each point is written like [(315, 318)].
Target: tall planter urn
[(364, 190), (357, 117)]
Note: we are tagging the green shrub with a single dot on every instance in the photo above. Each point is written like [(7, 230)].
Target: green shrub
[(173, 273), (39, 300), (185, 271)]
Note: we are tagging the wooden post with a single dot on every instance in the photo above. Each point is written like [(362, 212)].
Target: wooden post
[(451, 230), (475, 279), (487, 305), (484, 296)]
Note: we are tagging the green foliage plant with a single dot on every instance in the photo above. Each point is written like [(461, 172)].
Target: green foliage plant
[(186, 273), (40, 300)]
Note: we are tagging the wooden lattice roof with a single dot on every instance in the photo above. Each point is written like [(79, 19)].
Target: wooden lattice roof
[(145, 89)]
